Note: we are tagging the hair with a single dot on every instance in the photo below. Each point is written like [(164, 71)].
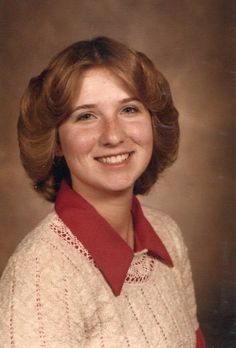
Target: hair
[(48, 101)]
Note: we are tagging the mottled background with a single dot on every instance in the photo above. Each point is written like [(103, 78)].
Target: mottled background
[(193, 43)]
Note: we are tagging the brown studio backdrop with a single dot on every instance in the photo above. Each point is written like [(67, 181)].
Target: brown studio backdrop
[(192, 42)]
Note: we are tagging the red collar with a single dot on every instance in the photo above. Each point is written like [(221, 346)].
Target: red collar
[(110, 252)]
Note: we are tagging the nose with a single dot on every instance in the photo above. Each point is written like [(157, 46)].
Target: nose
[(112, 133)]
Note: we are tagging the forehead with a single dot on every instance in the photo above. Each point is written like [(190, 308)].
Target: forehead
[(100, 82)]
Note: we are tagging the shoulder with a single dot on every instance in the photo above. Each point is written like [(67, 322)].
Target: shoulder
[(36, 282), (48, 260), (35, 245), (50, 248), (163, 224), (37, 241), (168, 231)]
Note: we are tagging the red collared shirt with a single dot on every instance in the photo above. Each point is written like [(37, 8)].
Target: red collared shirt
[(111, 253)]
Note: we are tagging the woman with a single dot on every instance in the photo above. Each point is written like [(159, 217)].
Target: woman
[(96, 128)]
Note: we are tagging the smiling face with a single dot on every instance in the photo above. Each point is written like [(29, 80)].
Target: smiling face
[(107, 141)]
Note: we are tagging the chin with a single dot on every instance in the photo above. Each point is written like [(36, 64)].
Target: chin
[(122, 188)]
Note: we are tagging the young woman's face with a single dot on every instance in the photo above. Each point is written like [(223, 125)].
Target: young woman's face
[(107, 141)]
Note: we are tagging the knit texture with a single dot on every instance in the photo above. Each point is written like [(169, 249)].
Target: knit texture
[(53, 295)]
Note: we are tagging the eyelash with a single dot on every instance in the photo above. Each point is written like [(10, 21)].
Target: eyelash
[(132, 109), (84, 117), (87, 115)]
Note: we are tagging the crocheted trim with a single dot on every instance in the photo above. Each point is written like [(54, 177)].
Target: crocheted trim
[(139, 271), (63, 232)]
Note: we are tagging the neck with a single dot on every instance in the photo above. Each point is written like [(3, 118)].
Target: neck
[(115, 208)]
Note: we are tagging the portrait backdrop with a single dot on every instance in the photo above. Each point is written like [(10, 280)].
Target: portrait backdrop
[(193, 44)]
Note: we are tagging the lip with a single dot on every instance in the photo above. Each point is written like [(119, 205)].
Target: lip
[(115, 159)]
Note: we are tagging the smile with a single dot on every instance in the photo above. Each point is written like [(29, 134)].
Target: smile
[(115, 159)]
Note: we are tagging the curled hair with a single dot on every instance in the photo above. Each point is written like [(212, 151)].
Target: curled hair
[(48, 101)]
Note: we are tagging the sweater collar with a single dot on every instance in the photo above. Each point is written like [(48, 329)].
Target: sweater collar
[(111, 253)]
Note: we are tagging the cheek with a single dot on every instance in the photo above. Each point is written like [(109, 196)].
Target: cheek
[(84, 143), (142, 133), (74, 144)]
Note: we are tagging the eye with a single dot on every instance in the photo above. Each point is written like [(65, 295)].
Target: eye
[(130, 109), (86, 116)]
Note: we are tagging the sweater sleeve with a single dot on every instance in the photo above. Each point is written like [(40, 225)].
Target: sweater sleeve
[(35, 306), (185, 273)]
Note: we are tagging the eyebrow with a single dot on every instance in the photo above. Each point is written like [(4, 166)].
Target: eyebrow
[(91, 106)]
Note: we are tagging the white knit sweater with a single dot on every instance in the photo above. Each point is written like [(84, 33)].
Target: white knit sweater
[(53, 295)]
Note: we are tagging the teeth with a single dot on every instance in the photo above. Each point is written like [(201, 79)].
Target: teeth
[(114, 159)]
